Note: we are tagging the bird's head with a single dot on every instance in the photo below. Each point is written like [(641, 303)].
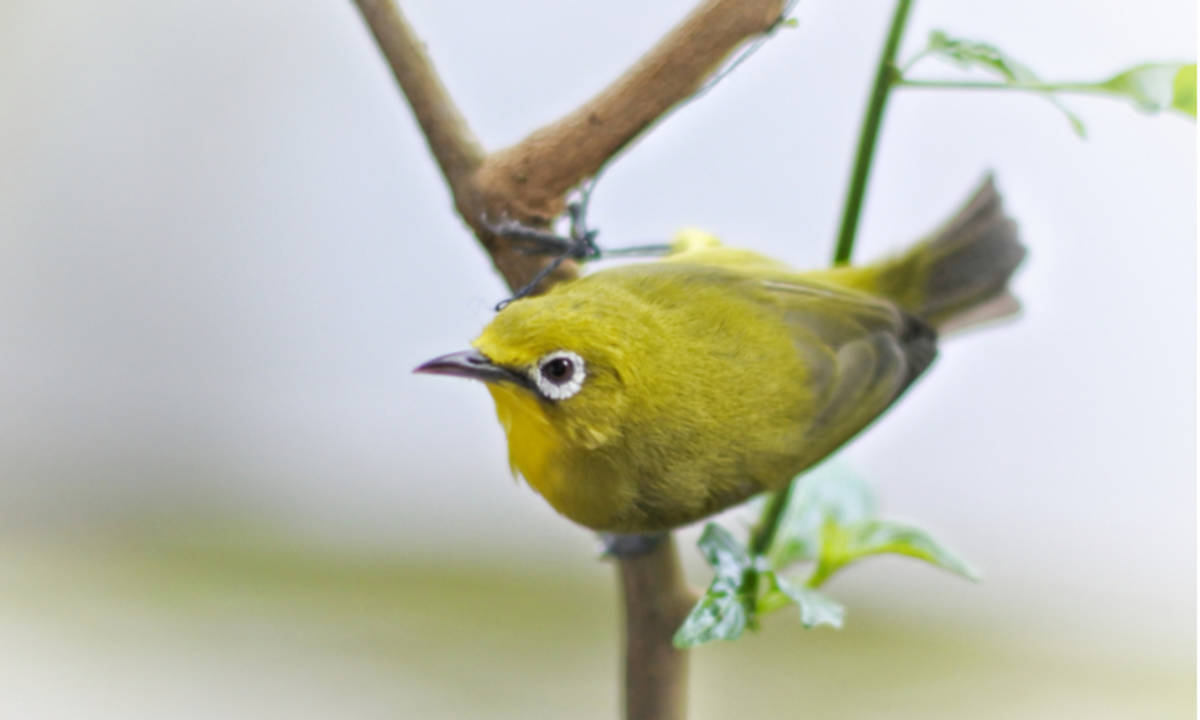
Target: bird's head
[(557, 365)]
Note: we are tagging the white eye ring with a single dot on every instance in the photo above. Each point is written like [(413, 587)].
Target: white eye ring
[(559, 389)]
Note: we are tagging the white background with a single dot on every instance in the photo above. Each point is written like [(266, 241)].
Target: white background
[(223, 247)]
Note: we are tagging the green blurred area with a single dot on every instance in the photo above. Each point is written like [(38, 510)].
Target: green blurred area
[(212, 620)]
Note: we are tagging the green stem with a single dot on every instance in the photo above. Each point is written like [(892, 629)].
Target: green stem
[(885, 77), (973, 85), (763, 536), (764, 532), (822, 573)]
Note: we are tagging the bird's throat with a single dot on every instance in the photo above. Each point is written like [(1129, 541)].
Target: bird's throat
[(541, 453), (533, 442)]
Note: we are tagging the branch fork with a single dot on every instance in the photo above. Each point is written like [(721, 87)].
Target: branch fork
[(528, 183)]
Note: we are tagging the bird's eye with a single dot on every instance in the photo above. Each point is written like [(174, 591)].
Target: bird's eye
[(559, 375), (558, 371)]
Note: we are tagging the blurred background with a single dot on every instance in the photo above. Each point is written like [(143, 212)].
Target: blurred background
[(223, 247)]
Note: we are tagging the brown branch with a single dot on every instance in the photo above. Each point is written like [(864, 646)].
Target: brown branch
[(543, 167), (529, 182), (450, 140), (656, 602)]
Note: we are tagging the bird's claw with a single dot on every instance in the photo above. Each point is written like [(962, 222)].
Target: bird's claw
[(623, 546)]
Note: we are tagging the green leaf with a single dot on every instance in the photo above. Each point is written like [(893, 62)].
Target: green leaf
[(880, 536), (815, 608), (720, 615), (830, 493), (727, 608), (829, 517), (1184, 92), (971, 53), (727, 556), (1155, 87), (841, 546)]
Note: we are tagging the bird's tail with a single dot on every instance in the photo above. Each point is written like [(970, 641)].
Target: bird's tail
[(958, 276)]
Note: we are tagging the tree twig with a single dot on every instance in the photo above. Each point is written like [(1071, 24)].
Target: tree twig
[(529, 182), (559, 156), (656, 600), (451, 141)]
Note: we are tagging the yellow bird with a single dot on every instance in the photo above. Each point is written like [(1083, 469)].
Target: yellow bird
[(650, 395)]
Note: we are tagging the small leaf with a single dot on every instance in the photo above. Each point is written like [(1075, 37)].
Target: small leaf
[(720, 615), (835, 553), (1155, 87), (1185, 90), (728, 557), (971, 53), (879, 537), (815, 608), (968, 53), (772, 600), (727, 608), (831, 492)]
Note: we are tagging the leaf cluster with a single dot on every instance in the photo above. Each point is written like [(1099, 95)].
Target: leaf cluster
[(827, 519), (1151, 87), (828, 522)]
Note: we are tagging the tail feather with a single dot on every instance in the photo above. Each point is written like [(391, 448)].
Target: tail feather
[(958, 277)]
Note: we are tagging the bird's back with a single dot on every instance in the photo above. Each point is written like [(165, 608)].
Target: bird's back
[(746, 374)]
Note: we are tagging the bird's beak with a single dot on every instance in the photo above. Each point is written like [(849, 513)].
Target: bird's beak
[(470, 364)]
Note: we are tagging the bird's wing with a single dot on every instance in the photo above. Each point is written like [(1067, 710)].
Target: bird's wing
[(861, 353)]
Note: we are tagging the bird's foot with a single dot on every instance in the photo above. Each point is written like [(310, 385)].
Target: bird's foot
[(623, 546)]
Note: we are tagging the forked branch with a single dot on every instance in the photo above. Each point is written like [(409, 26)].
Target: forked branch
[(529, 182)]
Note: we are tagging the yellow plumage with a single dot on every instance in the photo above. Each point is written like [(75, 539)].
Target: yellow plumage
[(650, 395)]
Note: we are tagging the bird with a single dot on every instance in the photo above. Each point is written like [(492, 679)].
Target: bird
[(647, 396)]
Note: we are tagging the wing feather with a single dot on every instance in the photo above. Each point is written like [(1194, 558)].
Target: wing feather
[(861, 353)]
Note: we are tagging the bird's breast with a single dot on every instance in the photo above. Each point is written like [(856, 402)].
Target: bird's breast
[(575, 480)]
